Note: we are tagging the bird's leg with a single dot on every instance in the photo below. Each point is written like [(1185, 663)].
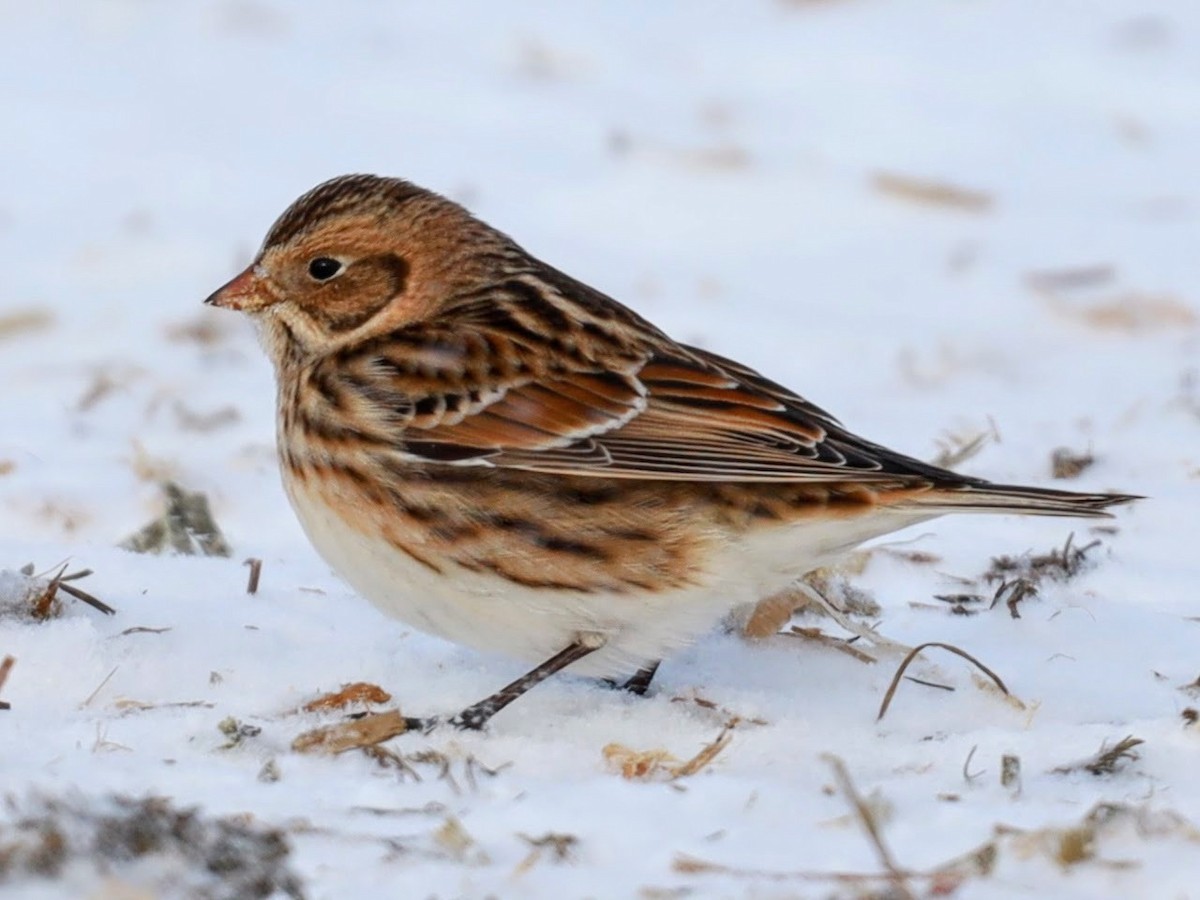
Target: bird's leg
[(639, 682), (477, 715)]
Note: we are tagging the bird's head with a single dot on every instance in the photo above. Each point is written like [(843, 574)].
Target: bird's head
[(355, 256)]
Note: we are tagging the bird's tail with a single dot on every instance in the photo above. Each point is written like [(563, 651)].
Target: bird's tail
[(1015, 498)]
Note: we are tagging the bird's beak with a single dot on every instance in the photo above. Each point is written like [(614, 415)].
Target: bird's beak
[(247, 292)]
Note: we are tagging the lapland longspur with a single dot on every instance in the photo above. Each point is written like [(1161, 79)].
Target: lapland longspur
[(498, 454)]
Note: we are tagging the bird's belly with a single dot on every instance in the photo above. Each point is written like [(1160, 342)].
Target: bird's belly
[(491, 613)]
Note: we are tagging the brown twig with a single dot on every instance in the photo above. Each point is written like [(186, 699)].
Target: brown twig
[(645, 765), (932, 684), (866, 817), (825, 640), (99, 688), (87, 598), (1014, 592), (707, 753), (46, 605), (932, 192), (912, 654)]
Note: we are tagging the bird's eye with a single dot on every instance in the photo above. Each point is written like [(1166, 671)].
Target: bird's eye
[(323, 268)]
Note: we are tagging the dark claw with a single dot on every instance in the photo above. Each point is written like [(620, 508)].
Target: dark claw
[(639, 683), (424, 726), (470, 720)]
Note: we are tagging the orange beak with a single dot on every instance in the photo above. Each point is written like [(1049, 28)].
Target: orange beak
[(247, 292)]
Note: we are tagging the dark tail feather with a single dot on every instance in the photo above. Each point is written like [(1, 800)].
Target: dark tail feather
[(1014, 498)]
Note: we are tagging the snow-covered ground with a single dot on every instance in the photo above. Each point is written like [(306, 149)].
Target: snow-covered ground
[(932, 217)]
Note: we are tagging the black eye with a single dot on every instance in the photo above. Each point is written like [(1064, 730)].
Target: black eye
[(323, 268)]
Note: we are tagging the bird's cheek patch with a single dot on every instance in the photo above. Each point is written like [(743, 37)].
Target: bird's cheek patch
[(367, 287)]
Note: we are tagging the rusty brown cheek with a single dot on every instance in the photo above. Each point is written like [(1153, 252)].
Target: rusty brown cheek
[(367, 287)]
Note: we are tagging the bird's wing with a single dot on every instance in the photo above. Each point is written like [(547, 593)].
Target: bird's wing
[(484, 394)]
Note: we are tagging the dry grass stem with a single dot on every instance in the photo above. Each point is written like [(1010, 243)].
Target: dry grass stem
[(961, 604), (707, 754), (1192, 688), (870, 824), (693, 865), (932, 684), (125, 705), (647, 765), (432, 808), (835, 586), (38, 596), (912, 654), (1013, 593), (917, 557), (1059, 564), (817, 636), (928, 192), (560, 847), (956, 449), (1067, 847), (1071, 279), (389, 759), (364, 732), (728, 718), (80, 594), (773, 613), (968, 775), (861, 630), (92, 696)]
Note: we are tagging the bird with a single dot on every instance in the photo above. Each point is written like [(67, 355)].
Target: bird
[(500, 455)]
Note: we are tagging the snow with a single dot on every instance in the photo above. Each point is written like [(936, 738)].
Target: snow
[(718, 172)]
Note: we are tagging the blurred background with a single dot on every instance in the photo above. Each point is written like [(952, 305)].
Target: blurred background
[(953, 223)]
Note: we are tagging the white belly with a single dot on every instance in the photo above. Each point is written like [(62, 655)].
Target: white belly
[(489, 613)]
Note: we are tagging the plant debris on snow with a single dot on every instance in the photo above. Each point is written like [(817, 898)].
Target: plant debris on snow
[(25, 595), (1066, 463), (1107, 760), (150, 846), (186, 527)]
